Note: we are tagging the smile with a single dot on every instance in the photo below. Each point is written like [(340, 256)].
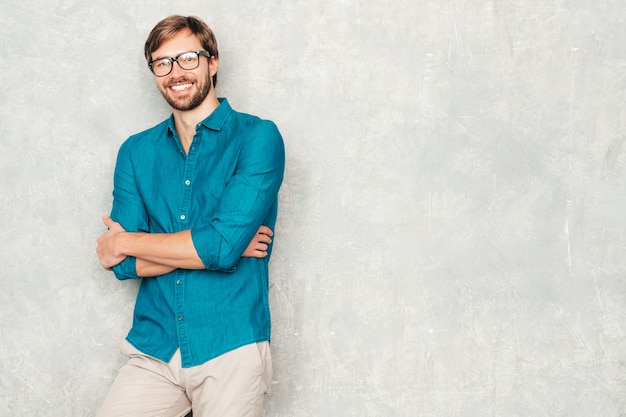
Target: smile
[(181, 87)]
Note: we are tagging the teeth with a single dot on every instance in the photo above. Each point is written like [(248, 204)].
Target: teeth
[(181, 87)]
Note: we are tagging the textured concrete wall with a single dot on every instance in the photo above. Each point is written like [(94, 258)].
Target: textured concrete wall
[(452, 239)]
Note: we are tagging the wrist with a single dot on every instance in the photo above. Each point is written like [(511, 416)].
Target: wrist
[(122, 244)]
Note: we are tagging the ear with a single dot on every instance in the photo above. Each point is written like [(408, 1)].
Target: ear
[(213, 64)]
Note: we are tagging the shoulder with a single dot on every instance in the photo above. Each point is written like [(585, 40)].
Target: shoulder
[(252, 126), (258, 138), (147, 137)]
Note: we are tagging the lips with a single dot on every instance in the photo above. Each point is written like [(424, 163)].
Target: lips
[(181, 87)]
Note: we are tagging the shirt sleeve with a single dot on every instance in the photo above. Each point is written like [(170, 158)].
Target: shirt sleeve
[(128, 207), (246, 201)]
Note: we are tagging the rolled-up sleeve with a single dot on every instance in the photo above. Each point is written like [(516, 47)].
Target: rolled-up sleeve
[(246, 200), (128, 207)]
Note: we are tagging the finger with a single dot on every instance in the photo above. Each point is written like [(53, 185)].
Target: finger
[(264, 230), (264, 239)]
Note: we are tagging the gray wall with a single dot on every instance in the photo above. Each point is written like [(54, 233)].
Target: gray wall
[(452, 239)]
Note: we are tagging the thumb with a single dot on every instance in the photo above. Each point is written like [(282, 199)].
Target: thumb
[(106, 219)]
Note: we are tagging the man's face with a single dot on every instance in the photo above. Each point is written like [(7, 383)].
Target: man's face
[(184, 89)]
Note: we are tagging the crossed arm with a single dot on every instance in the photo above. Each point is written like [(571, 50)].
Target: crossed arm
[(161, 253), (246, 200)]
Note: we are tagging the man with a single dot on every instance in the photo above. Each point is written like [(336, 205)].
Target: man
[(194, 202)]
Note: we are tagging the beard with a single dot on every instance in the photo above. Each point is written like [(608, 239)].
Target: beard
[(189, 102)]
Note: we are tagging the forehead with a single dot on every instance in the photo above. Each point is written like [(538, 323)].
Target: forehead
[(182, 41)]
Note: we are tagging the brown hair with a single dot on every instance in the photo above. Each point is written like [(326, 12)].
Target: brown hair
[(171, 25)]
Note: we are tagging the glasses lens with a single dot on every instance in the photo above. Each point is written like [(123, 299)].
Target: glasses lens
[(188, 60), (161, 67)]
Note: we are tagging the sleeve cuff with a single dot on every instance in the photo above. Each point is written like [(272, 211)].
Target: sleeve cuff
[(211, 258), (126, 269)]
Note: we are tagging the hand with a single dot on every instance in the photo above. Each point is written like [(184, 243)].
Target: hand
[(107, 243), (259, 243)]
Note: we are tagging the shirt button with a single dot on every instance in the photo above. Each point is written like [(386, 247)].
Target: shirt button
[(183, 217), (180, 318), (179, 282), (187, 182)]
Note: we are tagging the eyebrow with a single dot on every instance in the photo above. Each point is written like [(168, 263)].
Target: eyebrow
[(168, 57)]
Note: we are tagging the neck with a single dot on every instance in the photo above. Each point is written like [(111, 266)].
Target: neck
[(185, 121)]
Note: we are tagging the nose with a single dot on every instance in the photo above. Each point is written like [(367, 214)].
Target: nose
[(176, 70)]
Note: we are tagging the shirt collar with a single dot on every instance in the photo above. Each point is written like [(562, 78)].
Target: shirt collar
[(216, 119), (213, 121)]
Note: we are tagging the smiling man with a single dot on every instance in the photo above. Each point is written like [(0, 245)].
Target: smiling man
[(194, 205)]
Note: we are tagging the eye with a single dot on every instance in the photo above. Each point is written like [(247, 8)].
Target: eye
[(188, 57), (161, 63)]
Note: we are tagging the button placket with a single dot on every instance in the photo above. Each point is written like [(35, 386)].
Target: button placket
[(180, 298), (189, 169)]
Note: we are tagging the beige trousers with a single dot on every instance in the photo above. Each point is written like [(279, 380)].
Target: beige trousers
[(231, 385)]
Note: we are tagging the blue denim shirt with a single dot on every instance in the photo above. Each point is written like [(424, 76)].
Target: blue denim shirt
[(222, 190)]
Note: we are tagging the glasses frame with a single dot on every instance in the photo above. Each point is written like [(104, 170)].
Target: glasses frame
[(175, 59)]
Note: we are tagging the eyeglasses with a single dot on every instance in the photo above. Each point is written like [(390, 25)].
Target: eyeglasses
[(187, 61)]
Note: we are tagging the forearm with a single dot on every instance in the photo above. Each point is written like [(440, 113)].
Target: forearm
[(116, 246), (147, 269), (159, 253)]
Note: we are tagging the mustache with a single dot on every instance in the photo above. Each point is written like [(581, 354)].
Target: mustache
[(179, 80)]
